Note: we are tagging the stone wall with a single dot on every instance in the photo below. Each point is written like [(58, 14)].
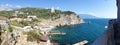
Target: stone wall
[(108, 37), (116, 28)]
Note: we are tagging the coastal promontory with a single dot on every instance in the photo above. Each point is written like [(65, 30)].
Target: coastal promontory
[(32, 26), (41, 16)]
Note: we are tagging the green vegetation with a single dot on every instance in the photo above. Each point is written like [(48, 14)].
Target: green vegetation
[(35, 20), (10, 28), (22, 23), (33, 36), (39, 12), (22, 15), (7, 14), (68, 12), (25, 23), (16, 24)]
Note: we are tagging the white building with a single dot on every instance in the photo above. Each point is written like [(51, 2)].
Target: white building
[(21, 12), (27, 28), (33, 17), (52, 10), (15, 14), (27, 19)]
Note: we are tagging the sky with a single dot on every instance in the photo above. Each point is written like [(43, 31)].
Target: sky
[(99, 8)]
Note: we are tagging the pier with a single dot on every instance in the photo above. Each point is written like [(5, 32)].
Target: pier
[(57, 33)]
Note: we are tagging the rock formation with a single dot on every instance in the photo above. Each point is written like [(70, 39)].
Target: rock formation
[(64, 20)]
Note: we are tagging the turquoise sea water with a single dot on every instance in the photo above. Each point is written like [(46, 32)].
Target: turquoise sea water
[(78, 33)]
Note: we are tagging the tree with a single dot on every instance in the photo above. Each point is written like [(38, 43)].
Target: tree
[(33, 36), (25, 23), (68, 12), (22, 16)]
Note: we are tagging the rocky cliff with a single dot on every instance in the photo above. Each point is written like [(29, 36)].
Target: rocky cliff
[(64, 20)]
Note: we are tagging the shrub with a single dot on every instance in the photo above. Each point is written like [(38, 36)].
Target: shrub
[(22, 16), (10, 28), (33, 36), (68, 12), (25, 23), (35, 20)]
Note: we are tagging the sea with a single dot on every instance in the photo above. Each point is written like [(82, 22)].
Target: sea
[(90, 31)]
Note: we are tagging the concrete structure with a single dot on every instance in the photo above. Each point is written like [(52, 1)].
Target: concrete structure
[(108, 37), (112, 35), (118, 6), (28, 19), (82, 43), (2, 22), (27, 28)]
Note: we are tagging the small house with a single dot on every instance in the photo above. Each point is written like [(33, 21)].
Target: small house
[(33, 17), (27, 28)]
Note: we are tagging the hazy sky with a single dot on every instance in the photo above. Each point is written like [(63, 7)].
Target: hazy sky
[(99, 8)]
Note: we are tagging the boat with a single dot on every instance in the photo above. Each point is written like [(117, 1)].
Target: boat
[(106, 26)]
